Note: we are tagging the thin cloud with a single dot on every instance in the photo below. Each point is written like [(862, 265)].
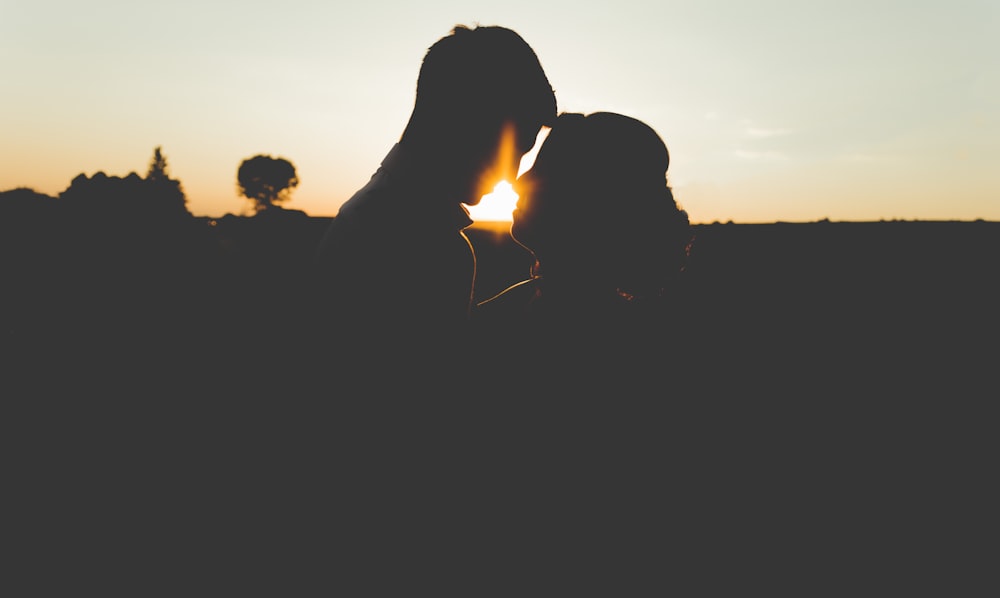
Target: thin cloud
[(868, 158), (759, 133), (761, 156)]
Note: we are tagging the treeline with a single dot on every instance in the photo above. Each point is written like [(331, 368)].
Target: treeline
[(119, 268)]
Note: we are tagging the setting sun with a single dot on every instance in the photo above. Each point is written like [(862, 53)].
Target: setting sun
[(496, 206), (499, 204)]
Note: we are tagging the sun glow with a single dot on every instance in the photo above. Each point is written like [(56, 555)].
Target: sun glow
[(497, 206)]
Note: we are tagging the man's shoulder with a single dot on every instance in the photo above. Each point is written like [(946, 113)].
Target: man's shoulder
[(366, 211), (371, 202)]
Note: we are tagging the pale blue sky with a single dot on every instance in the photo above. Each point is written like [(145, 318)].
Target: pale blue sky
[(772, 110)]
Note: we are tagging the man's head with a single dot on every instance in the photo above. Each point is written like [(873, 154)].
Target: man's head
[(474, 85)]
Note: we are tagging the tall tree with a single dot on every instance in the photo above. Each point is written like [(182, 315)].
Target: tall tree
[(157, 166), (165, 194), (266, 181)]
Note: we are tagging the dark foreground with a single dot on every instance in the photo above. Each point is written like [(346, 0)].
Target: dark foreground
[(830, 431)]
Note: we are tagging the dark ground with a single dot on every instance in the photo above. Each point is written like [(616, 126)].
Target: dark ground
[(837, 425), (881, 289)]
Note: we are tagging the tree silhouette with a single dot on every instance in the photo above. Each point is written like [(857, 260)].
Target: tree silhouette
[(157, 166), (156, 199), (266, 181), (165, 194), (104, 197), (24, 200)]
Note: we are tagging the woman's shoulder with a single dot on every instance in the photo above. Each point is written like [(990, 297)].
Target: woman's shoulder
[(512, 302)]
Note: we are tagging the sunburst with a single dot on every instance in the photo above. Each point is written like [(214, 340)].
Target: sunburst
[(496, 206)]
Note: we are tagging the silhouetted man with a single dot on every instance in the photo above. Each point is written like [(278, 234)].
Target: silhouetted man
[(395, 269)]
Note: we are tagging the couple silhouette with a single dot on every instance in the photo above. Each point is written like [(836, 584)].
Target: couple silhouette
[(517, 481), (395, 271)]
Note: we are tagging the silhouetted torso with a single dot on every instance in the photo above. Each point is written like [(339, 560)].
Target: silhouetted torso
[(394, 266)]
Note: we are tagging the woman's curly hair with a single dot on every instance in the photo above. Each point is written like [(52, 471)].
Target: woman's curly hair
[(614, 207)]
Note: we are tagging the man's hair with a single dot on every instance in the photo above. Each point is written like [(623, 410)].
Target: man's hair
[(478, 78)]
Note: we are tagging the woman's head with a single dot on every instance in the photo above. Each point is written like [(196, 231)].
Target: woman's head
[(596, 202)]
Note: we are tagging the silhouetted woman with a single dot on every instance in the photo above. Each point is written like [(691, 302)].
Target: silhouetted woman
[(579, 359), (608, 238)]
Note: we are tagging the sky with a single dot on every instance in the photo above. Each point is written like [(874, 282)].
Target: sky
[(773, 110)]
